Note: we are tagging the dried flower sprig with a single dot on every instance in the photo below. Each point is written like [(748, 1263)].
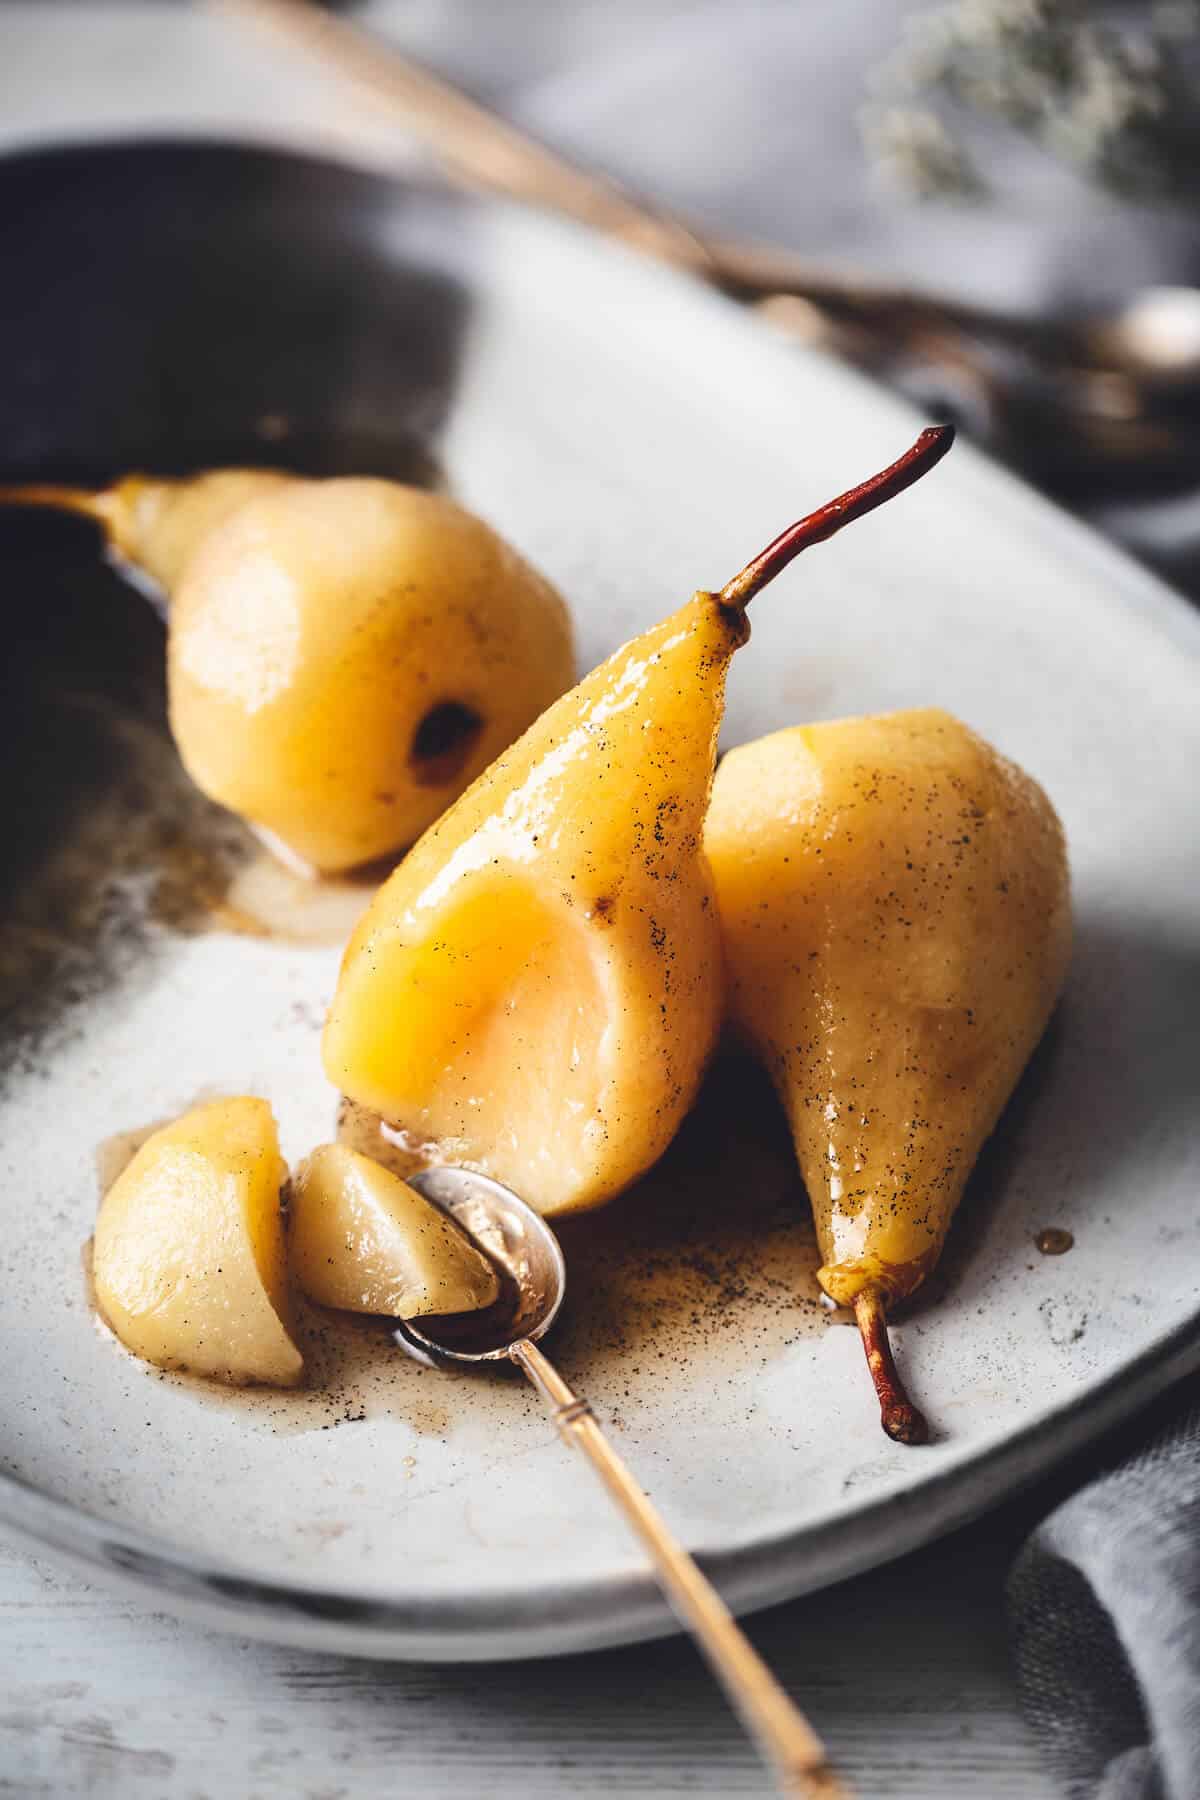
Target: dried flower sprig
[(1117, 97)]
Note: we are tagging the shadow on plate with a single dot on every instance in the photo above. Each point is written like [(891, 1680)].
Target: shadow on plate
[(180, 306), (174, 307)]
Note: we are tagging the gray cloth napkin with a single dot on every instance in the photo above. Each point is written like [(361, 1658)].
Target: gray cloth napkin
[(742, 114), (1105, 1608)]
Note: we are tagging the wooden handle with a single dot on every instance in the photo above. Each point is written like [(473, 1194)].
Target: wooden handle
[(781, 1731), (481, 151), (476, 148)]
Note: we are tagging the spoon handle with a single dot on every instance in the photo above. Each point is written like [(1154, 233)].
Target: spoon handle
[(781, 1731)]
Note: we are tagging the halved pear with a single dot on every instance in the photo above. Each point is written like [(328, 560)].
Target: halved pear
[(188, 1257), (538, 987), (364, 1241)]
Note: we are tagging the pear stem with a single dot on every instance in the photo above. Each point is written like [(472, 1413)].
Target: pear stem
[(928, 450), (902, 1421), (60, 499)]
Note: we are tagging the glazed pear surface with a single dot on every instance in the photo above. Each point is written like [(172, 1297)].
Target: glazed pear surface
[(157, 526), (537, 988), (361, 1239), (188, 1258), (344, 656), (895, 908)]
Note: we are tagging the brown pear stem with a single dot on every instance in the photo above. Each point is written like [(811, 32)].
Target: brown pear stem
[(928, 450), (899, 1417), (61, 499)]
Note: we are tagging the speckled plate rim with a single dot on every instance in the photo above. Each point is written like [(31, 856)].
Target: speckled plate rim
[(512, 1624), (516, 1623)]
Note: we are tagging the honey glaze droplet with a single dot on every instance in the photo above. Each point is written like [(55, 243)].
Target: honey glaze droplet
[(1054, 1241)]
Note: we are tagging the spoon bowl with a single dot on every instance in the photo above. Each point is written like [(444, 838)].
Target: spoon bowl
[(526, 1255)]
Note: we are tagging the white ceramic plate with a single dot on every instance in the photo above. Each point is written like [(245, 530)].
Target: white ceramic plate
[(637, 438)]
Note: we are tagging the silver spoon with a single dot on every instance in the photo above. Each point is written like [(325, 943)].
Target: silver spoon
[(529, 1260)]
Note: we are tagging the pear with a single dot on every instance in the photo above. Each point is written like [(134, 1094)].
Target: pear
[(155, 524), (536, 990), (362, 1240), (344, 656), (188, 1257), (895, 909)]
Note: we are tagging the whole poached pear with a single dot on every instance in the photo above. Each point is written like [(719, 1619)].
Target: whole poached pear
[(536, 990), (343, 656), (895, 909)]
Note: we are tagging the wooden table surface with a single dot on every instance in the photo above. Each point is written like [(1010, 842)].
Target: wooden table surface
[(905, 1672)]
